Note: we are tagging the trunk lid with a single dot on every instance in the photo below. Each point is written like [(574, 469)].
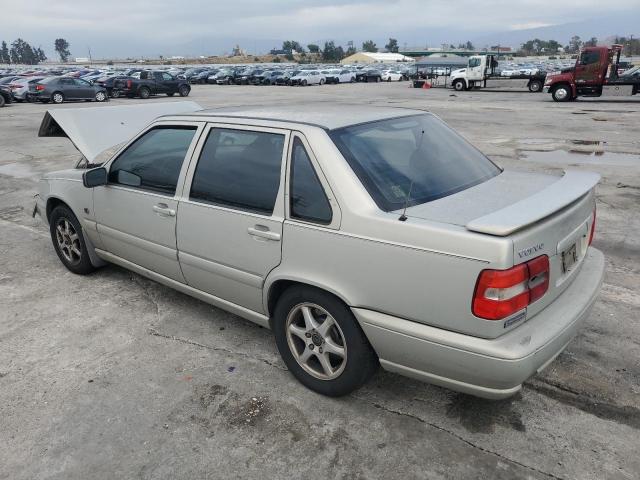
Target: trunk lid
[(540, 214)]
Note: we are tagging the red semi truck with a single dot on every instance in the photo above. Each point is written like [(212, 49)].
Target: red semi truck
[(595, 74)]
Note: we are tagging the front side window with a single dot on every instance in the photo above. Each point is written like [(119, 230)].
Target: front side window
[(587, 58), (308, 200), (411, 160), (154, 160), (240, 169), (474, 62)]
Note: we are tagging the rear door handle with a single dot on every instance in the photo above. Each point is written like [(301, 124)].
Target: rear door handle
[(163, 210), (263, 232)]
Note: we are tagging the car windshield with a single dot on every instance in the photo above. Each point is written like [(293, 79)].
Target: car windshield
[(411, 160)]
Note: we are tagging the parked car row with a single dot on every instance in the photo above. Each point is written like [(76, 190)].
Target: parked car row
[(60, 84)]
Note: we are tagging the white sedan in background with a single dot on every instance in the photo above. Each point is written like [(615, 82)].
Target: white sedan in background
[(392, 76), (308, 77)]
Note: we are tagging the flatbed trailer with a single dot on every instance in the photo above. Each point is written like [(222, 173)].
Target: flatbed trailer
[(483, 68)]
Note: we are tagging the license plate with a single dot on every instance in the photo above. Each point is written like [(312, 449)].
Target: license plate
[(569, 258)]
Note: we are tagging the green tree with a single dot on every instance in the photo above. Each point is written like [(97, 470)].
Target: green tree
[(4, 53), (392, 46), (350, 51), (313, 48), (40, 55), (469, 45), (22, 52), (290, 46), (575, 44), (62, 48), (331, 53), (369, 46), (592, 42)]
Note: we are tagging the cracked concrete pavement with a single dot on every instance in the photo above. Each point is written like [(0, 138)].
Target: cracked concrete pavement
[(114, 376)]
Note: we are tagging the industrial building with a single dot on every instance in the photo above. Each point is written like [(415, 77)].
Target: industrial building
[(375, 57)]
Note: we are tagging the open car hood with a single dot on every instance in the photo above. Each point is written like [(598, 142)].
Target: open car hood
[(92, 130)]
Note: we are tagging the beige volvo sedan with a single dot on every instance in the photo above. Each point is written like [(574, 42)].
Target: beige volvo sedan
[(362, 236)]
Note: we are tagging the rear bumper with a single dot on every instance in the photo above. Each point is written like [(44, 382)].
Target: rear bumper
[(489, 368)]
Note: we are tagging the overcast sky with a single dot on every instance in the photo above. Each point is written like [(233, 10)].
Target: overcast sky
[(131, 27)]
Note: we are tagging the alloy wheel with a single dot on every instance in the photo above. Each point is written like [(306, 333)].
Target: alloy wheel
[(316, 341), (68, 241)]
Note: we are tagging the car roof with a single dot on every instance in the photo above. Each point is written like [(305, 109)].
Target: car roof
[(328, 117)]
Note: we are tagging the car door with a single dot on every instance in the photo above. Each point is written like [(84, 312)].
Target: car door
[(83, 89), (588, 68), (170, 83), (231, 212), (136, 211), (68, 87)]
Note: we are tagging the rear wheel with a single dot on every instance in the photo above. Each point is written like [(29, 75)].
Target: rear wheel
[(144, 93), (321, 342), (115, 93), (303, 83), (66, 234), (322, 80), (562, 93), (184, 90), (57, 97), (535, 86)]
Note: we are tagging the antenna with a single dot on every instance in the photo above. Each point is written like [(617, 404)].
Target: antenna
[(403, 217)]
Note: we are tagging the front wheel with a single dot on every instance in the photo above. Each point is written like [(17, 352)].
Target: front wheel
[(562, 93), (321, 342), (183, 91), (101, 96), (2, 101), (458, 85), (66, 234)]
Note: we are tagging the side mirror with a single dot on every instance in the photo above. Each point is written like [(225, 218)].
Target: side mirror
[(95, 177)]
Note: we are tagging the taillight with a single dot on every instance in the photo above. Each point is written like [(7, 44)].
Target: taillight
[(129, 83), (500, 293), (593, 226), (39, 88)]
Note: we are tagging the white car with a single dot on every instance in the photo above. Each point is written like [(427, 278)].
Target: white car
[(392, 76), (308, 77), (344, 75)]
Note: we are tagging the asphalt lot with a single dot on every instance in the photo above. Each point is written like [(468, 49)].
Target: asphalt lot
[(114, 376)]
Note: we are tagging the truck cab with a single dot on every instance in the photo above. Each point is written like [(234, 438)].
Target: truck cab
[(595, 74)]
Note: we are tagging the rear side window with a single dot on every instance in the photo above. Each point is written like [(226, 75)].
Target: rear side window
[(240, 169), (153, 161), (308, 200), (411, 160)]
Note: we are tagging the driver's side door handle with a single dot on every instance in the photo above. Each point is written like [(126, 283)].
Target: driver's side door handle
[(163, 210)]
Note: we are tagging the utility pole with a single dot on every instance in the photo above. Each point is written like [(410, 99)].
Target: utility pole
[(90, 60)]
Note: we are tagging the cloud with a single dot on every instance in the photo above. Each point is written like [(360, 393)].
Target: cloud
[(134, 26)]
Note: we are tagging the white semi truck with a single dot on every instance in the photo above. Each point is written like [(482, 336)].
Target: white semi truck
[(482, 68)]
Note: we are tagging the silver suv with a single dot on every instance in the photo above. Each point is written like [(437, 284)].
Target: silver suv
[(361, 236)]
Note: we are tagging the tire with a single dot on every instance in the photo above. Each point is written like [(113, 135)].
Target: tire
[(378, 79), (322, 81), (144, 93), (342, 372), (562, 93), (303, 83), (353, 80), (459, 86), (535, 86), (2, 101), (115, 93), (170, 94), (101, 96), (183, 91), (68, 241), (57, 97)]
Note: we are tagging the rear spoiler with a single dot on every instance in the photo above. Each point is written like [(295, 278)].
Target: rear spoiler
[(569, 188), (92, 130)]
